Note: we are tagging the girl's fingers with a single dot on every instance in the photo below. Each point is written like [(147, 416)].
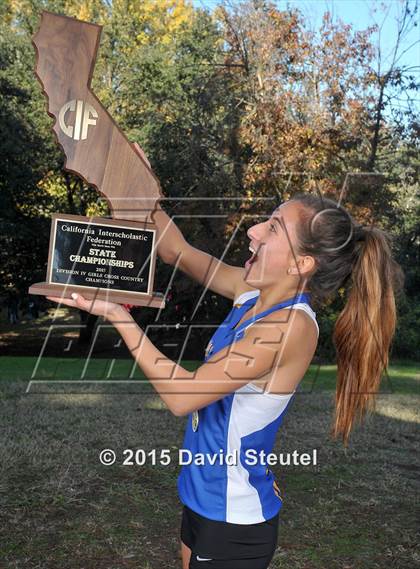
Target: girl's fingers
[(79, 302), (98, 307), (78, 298), (83, 303)]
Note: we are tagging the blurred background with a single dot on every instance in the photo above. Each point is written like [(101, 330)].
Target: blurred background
[(237, 105)]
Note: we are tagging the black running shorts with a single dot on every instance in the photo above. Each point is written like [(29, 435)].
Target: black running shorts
[(223, 545)]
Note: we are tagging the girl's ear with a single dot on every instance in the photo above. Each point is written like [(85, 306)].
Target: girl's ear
[(306, 265), (309, 264)]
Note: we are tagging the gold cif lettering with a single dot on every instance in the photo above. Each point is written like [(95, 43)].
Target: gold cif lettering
[(84, 117)]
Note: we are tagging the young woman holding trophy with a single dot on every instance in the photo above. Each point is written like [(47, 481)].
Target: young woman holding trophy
[(302, 254)]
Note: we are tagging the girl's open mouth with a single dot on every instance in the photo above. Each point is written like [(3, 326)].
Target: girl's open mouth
[(252, 259)]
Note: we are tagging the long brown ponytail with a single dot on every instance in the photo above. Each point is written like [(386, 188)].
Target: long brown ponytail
[(360, 259)]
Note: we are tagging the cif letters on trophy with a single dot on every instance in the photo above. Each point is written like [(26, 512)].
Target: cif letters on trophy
[(106, 258)]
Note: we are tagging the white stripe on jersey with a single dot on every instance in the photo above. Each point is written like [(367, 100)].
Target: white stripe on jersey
[(250, 412)]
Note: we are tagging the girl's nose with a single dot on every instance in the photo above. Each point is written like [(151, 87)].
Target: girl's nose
[(250, 232), (254, 231)]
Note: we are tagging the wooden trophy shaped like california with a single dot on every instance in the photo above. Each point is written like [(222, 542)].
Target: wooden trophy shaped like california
[(109, 259)]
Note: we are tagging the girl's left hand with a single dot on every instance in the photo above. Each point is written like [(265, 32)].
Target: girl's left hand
[(108, 310)]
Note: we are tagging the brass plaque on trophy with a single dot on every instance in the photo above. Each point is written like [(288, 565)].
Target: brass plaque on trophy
[(118, 253)]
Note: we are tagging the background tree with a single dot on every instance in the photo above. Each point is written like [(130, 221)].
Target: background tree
[(236, 109)]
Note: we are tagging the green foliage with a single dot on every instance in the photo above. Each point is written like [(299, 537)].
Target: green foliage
[(407, 337), (27, 154), (212, 99)]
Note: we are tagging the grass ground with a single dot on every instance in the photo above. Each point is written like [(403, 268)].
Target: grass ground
[(61, 509)]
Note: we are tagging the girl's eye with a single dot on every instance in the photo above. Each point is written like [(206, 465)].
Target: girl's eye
[(272, 226)]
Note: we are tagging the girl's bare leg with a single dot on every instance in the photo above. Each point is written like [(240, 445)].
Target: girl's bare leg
[(186, 555)]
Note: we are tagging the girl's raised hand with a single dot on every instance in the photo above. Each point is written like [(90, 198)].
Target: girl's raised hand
[(109, 310)]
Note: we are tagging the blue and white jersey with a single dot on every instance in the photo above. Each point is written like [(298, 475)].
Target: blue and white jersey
[(246, 419)]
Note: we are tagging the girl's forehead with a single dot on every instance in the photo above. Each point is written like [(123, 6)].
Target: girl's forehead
[(289, 211), (289, 214)]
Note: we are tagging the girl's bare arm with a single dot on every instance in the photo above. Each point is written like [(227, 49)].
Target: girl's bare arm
[(172, 247)]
